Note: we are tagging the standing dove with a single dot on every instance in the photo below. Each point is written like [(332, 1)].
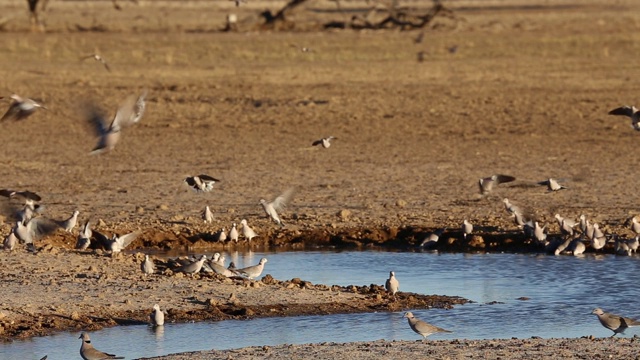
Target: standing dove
[(233, 234), (88, 352), (392, 285), (147, 266), (207, 215), (157, 316), (615, 323), (422, 328), (253, 271), (467, 228), (247, 232)]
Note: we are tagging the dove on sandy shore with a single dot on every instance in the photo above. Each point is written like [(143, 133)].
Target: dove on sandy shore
[(552, 184), (20, 108), (30, 207), (129, 113), (97, 58), (630, 112), (34, 229), (598, 238), (325, 142), (577, 247), (88, 352), (467, 228), (621, 247), (207, 215), (192, 268), (69, 224), (84, 237), (115, 243), (220, 269), (422, 328), (10, 241), (147, 266), (201, 183), (392, 285), (253, 271), (221, 236), (221, 260), (157, 316), (615, 323), (634, 243), (564, 245), (511, 208), (432, 239), (566, 224), (247, 232), (487, 184), (272, 208), (233, 234)]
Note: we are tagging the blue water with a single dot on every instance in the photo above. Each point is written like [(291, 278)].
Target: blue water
[(562, 291)]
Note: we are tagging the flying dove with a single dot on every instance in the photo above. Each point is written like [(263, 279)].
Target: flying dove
[(629, 111), (615, 323), (115, 243), (201, 183), (207, 215), (552, 184), (392, 285), (157, 316), (253, 271), (325, 142), (99, 59), (247, 232), (88, 352), (422, 328), (233, 234), (34, 229), (147, 266), (129, 113), (488, 183), (467, 228), (272, 208), (20, 109)]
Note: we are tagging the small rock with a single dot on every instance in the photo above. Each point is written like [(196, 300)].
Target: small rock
[(75, 316), (140, 210), (344, 214), (401, 203), (163, 207)]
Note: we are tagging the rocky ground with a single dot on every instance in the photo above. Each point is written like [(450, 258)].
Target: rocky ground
[(514, 88)]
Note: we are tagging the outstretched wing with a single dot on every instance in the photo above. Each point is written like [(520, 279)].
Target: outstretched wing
[(623, 110), (282, 200)]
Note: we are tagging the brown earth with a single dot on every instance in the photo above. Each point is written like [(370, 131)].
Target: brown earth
[(526, 93)]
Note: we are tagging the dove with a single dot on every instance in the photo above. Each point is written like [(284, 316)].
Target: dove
[(615, 323), (539, 232), (253, 271), (392, 285), (88, 352), (201, 183), (633, 244), (325, 142), (563, 246), (272, 208), (10, 241), (221, 260), (566, 225), (84, 237), (422, 328), (432, 239), (511, 209), (20, 109), (97, 58), (467, 228), (247, 232), (194, 267), (487, 184), (30, 207), (147, 266), (635, 225), (34, 229), (233, 234), (552, 185), (598, 239), (70, 223), (157, 316), (220, 269), (577, 247), (116, 243), (129, 113), (630, 112), (222, 235), (207, 215), (622, 248)]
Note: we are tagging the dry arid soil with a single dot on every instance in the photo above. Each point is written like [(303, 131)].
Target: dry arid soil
[(513, 87)]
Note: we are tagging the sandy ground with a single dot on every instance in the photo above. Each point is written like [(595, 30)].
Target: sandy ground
[(525, 93)]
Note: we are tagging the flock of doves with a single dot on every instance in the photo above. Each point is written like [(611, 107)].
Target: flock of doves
[(29, 227)]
